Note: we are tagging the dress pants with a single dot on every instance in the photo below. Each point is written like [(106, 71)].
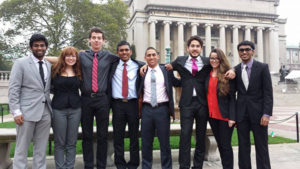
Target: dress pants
[(187, 115), (260, 134), (223, 133), (126, 112), (156, 119), (38, 133), (65, 124), (94, 107)]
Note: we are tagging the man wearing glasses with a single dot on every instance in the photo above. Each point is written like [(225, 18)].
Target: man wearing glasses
[(254, 106)]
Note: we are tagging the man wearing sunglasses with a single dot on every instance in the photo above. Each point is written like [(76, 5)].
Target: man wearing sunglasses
[(254, 106)]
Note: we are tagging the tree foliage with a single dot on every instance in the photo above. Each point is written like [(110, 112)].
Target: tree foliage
[(66, 22)]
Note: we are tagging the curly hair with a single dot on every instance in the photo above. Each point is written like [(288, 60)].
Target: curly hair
[(60, 66), (222, 69)]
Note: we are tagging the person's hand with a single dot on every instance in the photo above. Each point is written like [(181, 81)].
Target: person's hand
[(264, 121), (143, 70), (19, 120), (230, 74), (169, 66), (231, 123)]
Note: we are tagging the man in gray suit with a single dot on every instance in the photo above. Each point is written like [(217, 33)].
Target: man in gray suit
[(29, 101)]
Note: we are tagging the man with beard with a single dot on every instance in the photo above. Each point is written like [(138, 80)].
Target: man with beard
[(29, 101), (193, 70)]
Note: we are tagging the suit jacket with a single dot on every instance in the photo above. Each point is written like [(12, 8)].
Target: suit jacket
[(170, 81), (113, 70), (26, 90), (226, 103), (258, 99), (188, 81)]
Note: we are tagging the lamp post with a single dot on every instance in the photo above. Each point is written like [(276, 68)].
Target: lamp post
[(168, 55)]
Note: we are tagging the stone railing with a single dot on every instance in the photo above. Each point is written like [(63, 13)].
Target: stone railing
[(4, 75)]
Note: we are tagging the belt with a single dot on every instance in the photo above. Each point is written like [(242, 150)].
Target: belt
[(158, 104), (92, 94), (124, 100)]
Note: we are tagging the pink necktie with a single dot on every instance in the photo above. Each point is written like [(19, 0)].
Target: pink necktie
[(194, 67), (95, 74)]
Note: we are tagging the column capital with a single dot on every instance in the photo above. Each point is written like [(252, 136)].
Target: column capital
[(181, 23), (167, 22), (195, 24), (152, 21), (222, 26), (236, 26), (271, 29), (208, 25), (248, 27), (260, 28)]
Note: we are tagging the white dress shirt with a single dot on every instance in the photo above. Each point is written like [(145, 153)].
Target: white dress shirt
[(189, 66), (161, 91)]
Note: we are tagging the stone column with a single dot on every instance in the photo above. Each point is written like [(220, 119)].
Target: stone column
[(194, 28), (222, 37), (180, 38), (276, 60), (260, 47), (271, 49), (235, 41), (152, 33), (167, 33), (248, 33), (208, 39)]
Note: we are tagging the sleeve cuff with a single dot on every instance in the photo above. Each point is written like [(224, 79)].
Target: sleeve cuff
[(266, 115), (16, 113)]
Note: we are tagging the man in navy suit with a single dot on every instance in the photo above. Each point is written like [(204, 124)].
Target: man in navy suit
[(254, 106), (157, 95)]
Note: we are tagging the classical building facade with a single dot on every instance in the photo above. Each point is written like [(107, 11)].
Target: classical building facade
[(220, 23), (292, 60)]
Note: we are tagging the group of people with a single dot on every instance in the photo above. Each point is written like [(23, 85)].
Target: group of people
[(86, 85)]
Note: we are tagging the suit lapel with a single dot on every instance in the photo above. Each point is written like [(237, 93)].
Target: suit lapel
[(165, 77), (48, 65), (253, 70), (35, 71)]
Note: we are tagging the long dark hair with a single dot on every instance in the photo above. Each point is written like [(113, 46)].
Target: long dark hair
[(222, 69), (60, 66)]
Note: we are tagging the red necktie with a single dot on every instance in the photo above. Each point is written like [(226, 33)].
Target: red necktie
[(95, 74), (124, 82)]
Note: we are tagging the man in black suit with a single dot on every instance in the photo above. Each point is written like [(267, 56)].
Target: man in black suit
[(254, 106), (125, 83), (157, 95), (193, 70)]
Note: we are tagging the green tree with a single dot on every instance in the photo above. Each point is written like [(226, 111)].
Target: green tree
[(65, 22)]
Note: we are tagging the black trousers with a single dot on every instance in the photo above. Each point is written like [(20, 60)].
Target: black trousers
[(123, 113), (223, 134), (260, 134), (94, 107), (188, 114), (156, 119)]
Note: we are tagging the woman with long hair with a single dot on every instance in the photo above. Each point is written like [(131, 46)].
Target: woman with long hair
[(221, 105), (66, 76)]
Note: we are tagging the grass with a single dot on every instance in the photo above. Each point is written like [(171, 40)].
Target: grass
[(174, 143), (4, 109)]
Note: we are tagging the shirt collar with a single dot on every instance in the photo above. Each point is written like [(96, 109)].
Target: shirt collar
[(127, 63), (197, 58), (36, 60), (155, 68), (249, 64)]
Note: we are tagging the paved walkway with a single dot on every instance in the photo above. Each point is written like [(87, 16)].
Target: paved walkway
[(283, 156)]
